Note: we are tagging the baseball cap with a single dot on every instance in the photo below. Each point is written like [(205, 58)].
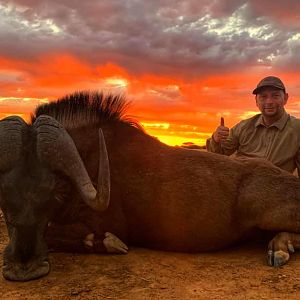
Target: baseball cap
[(269, 81)]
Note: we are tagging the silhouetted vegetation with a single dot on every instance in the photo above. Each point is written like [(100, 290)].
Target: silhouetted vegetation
[(190, 145)]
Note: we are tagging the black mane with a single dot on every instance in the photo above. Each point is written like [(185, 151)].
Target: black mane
[(85, 107)]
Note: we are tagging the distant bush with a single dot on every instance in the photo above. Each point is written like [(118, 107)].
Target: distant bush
[(190, 145)]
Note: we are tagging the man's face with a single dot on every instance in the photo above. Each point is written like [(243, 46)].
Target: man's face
[(271, 101)]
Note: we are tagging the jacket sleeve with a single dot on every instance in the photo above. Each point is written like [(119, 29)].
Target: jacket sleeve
[(227, 147), (297, 160)]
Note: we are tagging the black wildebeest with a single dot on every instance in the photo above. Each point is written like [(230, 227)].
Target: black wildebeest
[(162, 197)]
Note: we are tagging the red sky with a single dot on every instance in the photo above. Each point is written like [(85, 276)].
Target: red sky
[(182, 64)]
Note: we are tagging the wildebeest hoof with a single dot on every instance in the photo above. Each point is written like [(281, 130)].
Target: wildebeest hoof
[(278, 258), (280, 248), (89, 240), (113, 244)]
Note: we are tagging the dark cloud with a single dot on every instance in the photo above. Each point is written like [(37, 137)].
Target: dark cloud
[(178, 38), (225, 8), (286, 13)]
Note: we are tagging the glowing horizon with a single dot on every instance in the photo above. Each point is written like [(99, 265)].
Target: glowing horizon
[(182, 67)]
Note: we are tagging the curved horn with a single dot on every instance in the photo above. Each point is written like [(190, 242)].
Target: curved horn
[(56, 148), (10, 140)]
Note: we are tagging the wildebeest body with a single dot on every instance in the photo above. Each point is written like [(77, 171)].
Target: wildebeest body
[(183, 200)]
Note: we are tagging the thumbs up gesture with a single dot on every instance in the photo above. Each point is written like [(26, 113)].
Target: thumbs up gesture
[(222, 122), (221, 133)]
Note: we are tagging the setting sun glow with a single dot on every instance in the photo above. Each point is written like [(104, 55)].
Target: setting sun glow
[(181, 68)]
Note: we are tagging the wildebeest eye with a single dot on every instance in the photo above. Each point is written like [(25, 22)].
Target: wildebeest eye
[(62, 189)]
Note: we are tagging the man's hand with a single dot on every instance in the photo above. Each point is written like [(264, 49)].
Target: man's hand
[(221, 133)]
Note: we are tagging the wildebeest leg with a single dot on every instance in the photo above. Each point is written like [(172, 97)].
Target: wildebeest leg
[(77, 237), (67, 237), (280, 247), (281, 217)]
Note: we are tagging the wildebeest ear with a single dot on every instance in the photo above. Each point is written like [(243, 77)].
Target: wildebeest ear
[(11, 129)]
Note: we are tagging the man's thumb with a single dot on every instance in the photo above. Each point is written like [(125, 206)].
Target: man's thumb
[(222, 121)]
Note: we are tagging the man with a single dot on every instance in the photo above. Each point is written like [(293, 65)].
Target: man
[(273, 134)]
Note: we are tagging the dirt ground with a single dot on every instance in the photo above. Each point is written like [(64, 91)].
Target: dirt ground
[(236, 273)]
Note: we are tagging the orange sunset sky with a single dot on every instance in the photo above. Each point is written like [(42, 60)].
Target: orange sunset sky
[(182, 64)]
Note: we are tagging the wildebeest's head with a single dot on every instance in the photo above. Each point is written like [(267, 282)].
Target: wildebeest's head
[(33, 159)]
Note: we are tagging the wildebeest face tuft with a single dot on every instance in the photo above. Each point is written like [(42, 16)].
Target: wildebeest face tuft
[(28, 201)]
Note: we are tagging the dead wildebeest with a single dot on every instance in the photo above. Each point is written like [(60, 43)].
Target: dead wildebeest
[(162, 197)]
